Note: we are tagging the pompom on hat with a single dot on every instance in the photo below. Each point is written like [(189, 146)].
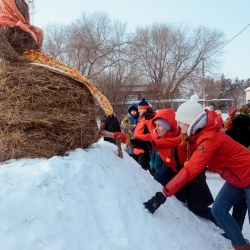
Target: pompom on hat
[(143, 104), (189, 110)]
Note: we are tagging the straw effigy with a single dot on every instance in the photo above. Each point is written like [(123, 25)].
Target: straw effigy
[(43, 114), (46, 107)]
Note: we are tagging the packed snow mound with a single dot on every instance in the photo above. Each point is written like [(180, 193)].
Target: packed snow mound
[(93, 200)]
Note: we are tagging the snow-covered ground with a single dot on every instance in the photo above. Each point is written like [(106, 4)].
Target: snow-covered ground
[(92, 200)]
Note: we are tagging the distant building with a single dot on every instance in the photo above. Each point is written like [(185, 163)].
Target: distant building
[(247, 95)]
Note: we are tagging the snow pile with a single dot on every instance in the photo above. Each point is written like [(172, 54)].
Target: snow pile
[(91, 199)]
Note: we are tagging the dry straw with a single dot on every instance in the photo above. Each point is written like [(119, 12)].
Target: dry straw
[(13, 42), (42, 113)]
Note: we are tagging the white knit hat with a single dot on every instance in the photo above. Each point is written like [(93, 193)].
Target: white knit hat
[(189, 110)]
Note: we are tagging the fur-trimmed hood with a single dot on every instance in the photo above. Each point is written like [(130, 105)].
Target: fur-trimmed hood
[(207, 120)]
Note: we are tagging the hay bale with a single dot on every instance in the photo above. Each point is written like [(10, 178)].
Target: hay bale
[(42, 113)]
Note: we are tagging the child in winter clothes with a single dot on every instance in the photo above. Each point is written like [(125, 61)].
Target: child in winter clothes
[(222, 154), (133, 120), (134, 116), (144, 126)]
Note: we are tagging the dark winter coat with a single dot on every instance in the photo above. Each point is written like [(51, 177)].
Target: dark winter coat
[(240, 130), (133, 120), (112, 125)]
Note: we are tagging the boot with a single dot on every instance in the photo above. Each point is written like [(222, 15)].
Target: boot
[(244, 247)]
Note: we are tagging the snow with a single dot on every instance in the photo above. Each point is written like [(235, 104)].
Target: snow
[(224, 116), (92, 199)]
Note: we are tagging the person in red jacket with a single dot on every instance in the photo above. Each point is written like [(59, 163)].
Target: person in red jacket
[(222, 154), (144, 126), (166, 140)]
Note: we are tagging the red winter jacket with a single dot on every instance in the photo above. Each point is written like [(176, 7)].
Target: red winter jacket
[(139, 129), (218, 151), (171, 140), (144, 120)]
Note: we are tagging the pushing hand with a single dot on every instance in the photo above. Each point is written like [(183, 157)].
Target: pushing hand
[(155, 202)]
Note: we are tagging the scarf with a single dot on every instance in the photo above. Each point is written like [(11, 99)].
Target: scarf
[(11, 17), (41, 59)]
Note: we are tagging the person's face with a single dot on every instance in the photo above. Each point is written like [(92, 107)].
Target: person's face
[(142, 111), (133, 112), (183, 127), (160, 130)]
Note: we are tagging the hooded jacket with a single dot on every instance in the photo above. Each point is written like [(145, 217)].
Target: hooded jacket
[(133, 120), (144, 126), (112, 125), (217, 150), (169, 142)]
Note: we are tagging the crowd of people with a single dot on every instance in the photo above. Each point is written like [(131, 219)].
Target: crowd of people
[(178, 147)]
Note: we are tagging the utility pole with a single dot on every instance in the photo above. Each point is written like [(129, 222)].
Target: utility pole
[(31, 4), (203, 82)]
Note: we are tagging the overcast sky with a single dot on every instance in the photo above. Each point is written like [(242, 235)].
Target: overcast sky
[(229, 16)]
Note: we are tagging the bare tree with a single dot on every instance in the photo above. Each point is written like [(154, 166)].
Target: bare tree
[(88, 44), (170, 56), (92, 41), (165, 57), (118, 81), (54, 42)]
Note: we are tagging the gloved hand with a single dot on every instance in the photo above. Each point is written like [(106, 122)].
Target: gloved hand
[(155, 202), (137, 143)]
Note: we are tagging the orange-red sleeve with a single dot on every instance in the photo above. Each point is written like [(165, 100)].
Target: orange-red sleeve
[(164, 143), (123, 135)]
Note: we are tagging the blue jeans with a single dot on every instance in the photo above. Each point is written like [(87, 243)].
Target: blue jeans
[(226, 198), (239, 211)]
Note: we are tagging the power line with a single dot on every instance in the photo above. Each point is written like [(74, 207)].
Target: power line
[(230, 40)]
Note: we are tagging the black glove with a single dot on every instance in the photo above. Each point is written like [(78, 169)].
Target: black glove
[(137, 143), (155, 202)]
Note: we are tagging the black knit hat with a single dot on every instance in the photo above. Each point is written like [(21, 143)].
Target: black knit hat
[(132, 107), (143, 104)]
